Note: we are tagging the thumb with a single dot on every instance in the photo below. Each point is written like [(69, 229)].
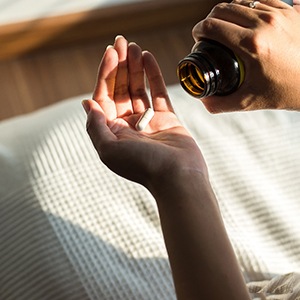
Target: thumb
[(96, 124)]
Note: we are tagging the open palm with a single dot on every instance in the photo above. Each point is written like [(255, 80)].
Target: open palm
[(120, 97)]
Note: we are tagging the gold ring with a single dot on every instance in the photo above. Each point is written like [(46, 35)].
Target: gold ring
[(253, 4)]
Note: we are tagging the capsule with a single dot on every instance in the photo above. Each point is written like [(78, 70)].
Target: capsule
[(144, 119)]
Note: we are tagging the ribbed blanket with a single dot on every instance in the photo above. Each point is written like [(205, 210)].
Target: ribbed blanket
[(71, 229)]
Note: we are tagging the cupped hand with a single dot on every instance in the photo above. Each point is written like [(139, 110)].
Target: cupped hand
[(267, 39), (120, 97)]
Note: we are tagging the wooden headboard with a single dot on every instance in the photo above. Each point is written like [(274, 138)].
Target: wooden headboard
[(46, 60), (43, 33)]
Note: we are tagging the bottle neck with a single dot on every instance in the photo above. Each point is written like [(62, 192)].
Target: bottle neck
[(197, 76), (204, 73), (210, 69), (223, 65)]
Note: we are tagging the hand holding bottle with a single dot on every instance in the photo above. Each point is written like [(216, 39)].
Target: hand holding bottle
[(267, 40)]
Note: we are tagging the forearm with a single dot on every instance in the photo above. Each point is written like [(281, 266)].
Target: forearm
[(202, 260), (203, 263)]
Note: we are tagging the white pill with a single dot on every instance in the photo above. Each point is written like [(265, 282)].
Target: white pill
[(144, 119)]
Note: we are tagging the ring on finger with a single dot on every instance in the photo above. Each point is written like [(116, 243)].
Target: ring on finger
[(253, 4)]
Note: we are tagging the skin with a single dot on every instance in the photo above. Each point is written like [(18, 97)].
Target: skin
[(164, 157), (166, 160), (267, 40)]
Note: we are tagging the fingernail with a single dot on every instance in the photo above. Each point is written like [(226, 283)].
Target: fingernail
[(118, 37), (109, 46), (132, 43), (86, 105)]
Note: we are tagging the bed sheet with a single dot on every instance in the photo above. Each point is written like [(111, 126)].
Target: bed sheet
[(71, 229)]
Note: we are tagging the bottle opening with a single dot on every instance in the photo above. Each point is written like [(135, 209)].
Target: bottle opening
[(191, 79)]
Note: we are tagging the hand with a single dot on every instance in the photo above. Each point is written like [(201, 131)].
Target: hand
[(267, 40), (166, 160), (120, 97)]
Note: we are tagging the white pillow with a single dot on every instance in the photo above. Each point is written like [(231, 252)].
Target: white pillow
[(71, 229)]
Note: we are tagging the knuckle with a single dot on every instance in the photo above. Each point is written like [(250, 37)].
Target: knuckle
[(255, 43), (206, 26), (271, 19), (219, 9)]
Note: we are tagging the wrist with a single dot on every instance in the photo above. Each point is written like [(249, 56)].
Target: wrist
[(179, 184)]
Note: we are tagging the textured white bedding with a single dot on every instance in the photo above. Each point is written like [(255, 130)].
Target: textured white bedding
[(71, 229)]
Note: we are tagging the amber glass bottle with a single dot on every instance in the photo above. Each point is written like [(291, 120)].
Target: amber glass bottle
[(210, 68)]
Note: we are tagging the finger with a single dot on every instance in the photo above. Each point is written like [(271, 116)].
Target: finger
[(220, 104), (273, 4), (263, 4), (221, 31), (235, 13), (97, 127), (226, 17), (239, 13), (122, 96), (159, 94), (137, 85), (105, 84), (213, 27)]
